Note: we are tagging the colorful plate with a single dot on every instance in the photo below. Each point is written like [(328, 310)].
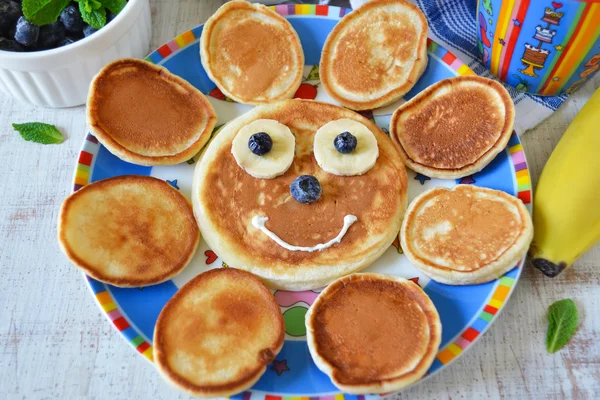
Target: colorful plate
[(466, 311)]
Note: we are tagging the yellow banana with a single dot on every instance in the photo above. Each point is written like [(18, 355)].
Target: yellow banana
[(566, 206)]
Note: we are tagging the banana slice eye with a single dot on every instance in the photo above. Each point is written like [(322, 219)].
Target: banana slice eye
[(345, 147), (264, 148)]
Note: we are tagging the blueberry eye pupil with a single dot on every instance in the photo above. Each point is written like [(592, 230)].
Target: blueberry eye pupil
[(345, 142), (260, 143)]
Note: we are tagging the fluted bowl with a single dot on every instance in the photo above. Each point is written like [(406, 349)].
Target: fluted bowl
[(60, 77)]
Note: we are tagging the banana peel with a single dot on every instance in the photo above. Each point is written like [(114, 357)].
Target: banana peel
[(566, 208)]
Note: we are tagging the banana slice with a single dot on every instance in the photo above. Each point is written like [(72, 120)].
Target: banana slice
[(276, 161), (354, 162)]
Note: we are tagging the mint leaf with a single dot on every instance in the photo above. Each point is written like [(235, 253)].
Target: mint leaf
[(84, 5), (88, 5), (114, 6), (95, 4), (39, 132), (94, 18), (563, 319), (42, 12)]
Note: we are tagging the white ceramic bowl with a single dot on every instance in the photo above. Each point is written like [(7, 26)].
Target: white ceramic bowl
[(61, 77)]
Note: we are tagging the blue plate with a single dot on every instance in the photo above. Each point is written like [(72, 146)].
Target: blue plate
[(465, 311)]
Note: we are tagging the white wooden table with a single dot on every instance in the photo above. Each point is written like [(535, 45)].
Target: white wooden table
[(56, 344)]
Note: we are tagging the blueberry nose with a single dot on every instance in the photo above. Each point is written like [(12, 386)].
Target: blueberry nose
[(306, 189)]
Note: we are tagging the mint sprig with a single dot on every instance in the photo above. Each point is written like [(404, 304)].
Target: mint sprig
[(42, 12), (39, 132), (92, 13), (88, 5), (563, 319)]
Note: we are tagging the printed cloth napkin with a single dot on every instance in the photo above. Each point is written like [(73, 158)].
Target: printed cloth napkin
[(452, 24)]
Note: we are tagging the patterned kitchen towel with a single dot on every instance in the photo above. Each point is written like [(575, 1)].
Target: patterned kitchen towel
[(452, 24)]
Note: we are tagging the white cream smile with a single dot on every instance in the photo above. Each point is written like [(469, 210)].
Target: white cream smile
[(259, 222)]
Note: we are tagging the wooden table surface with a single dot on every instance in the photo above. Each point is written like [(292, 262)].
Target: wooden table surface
[(55, 342)]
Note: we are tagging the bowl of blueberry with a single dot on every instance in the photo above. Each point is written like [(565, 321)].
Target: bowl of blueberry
[(51, 49)]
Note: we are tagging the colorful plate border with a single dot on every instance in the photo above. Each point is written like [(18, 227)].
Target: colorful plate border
[(502, 291)]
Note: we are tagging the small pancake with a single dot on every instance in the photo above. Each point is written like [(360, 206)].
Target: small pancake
[(466, 235), (455, 127), (128, 231), (145, 115), (373, 333), (226, 198), (219, 332), (252, 53), (375, 54)]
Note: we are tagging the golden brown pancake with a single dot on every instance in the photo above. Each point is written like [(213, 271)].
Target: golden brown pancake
[(128, 231), (226, 198), (373, 333), (216, 336), (145, 115), (375, 54), (252, 53), (455, 127), (466, 234)]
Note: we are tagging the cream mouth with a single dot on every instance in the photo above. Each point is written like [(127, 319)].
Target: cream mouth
[(258, 221)]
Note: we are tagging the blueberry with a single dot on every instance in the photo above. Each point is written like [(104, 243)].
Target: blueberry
[(345, 142), (27, 33), (260, 143), (71, 19), (89, 30), (306, 189), (10, 45), (51, 35), (10, 11), (75, 36), (110, 16), (65, 42)]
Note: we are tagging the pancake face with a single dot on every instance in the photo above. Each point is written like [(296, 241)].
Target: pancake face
[(146, 115), (375, 54), (124, 230), (455, 127), (371, 333), (252, 53), (226, 198), (216, 336), (466, 235)]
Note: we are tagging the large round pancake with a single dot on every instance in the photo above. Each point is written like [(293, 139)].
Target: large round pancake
[(226, 198), (217, 334), (128, 231), (373, 333), (455, 127), (252, 53), (145, 115), (467, 234), (375, 54)]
